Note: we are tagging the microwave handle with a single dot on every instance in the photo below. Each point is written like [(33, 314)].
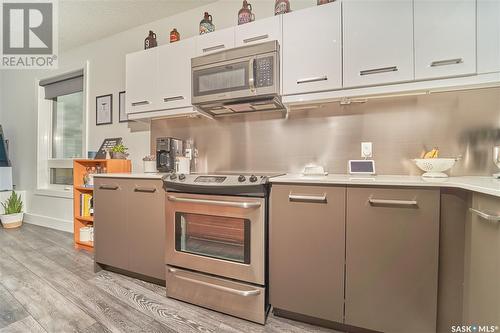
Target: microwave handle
[(251, 74)]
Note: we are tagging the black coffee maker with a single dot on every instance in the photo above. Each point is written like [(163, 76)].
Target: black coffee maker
[(167, 149)]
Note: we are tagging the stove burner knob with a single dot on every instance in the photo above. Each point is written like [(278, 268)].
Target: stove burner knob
[(253, 178), (173, 176), (241, 178), (182, 176)]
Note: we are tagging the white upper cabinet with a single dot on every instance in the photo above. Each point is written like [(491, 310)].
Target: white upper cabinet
[(259, 31), (215, 41), (445, 38), (312, 49), (142, 81), (174, 82), (488, 36), (378, 42)]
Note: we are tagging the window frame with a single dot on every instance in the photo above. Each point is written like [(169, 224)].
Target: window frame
[(44, 148)]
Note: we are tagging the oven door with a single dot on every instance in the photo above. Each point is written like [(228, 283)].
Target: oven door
[(236, 79), (220, 235)]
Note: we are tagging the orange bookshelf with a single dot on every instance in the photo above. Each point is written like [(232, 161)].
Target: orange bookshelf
[(79, 170)]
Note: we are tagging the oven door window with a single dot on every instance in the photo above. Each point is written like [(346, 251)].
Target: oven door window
[(220, 237), (221, 79)]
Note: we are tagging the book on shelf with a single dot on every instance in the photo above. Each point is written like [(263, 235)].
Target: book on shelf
[(86, 205)]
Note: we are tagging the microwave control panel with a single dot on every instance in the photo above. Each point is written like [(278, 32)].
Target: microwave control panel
[(264, 72)]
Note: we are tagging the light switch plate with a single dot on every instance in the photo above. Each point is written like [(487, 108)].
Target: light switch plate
[(366, 149)]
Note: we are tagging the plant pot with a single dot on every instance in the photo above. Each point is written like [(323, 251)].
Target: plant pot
[(11, 221), (119, 156)]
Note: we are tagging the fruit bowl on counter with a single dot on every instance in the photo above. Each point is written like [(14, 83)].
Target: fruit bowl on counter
[(435, 167)]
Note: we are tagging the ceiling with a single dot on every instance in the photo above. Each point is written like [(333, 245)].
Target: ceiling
[(84, 21)]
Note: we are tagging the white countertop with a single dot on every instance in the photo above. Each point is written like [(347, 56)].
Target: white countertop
[(486, 185), (131, 175)]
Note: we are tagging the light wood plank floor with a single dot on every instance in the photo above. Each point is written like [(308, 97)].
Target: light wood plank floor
[(47, 286)]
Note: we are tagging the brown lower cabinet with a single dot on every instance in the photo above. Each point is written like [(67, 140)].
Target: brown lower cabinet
[(130, 225), (356, 256), (306, 250), (482, 277), (392, 251)]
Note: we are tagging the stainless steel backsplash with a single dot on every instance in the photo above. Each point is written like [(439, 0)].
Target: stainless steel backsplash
[(463, 124)]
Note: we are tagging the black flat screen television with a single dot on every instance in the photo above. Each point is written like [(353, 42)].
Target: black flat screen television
[(4, 158)]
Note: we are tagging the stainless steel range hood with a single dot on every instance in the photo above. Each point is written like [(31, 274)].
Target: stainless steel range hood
[(239, 80)]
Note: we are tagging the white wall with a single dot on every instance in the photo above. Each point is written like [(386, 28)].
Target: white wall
[(106, 75)]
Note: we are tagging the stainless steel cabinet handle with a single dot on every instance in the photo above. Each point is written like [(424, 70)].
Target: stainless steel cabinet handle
[(244, 293), (145, 189), (379, 70), (485, 216), (108, 187), (447, 62), (313, 79), (256, 38), (141, 103), (174, 98), (216, 202), (393, 202), (213, 48), (307, 198)]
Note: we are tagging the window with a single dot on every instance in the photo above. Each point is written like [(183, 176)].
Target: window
[(61, 125)]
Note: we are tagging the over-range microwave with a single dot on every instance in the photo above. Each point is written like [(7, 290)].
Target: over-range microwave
[(238, 80)]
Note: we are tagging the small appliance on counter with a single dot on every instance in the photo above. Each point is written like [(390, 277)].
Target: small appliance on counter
[(496, 159), (167, 151)]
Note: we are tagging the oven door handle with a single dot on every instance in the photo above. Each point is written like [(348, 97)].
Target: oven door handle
[(216, 202), (244, 293)]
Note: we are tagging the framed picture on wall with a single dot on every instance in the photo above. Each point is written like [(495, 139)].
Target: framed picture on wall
[(104, 109), (123, 117)]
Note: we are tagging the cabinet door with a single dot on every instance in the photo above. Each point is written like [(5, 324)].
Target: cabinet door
[(175, 74), (375, 52), (110, 223), (215, 41), (146, 227), (488, 36), (483, 271), (259, 31), (312, 49), (142, 81), (392, 248), (306, 250), (445, 38)]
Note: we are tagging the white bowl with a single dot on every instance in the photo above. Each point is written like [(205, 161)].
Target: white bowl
[(435, 167)]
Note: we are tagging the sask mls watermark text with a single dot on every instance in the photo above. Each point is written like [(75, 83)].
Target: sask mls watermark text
[(28, 34)]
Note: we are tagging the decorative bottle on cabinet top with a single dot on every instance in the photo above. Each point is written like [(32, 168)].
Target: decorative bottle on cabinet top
[(175, 36), (150, 41), (322, 2), (282, 7), (245, 14), (206, 24)]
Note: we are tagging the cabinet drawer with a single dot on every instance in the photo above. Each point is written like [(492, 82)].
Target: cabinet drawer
[(392, 247), (215, 41), (306, 248), (260, 31)]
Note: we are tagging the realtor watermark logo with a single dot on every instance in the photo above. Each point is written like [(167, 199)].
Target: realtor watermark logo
[(475, 328), (28, 34)]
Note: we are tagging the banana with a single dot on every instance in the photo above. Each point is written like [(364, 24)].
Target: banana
[(434, 153)]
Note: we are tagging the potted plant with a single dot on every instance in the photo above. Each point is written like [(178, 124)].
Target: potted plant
[(119, 152), (13, 215)]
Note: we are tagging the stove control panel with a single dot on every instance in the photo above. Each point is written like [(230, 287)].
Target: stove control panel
[(217, 180)]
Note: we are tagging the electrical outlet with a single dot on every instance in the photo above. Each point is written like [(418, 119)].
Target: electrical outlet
[(366, 149)]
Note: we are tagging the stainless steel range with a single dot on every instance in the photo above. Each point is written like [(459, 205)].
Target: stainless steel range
[(216, 245)]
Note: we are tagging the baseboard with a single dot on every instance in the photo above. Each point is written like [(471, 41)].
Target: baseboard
[(49, 222)]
